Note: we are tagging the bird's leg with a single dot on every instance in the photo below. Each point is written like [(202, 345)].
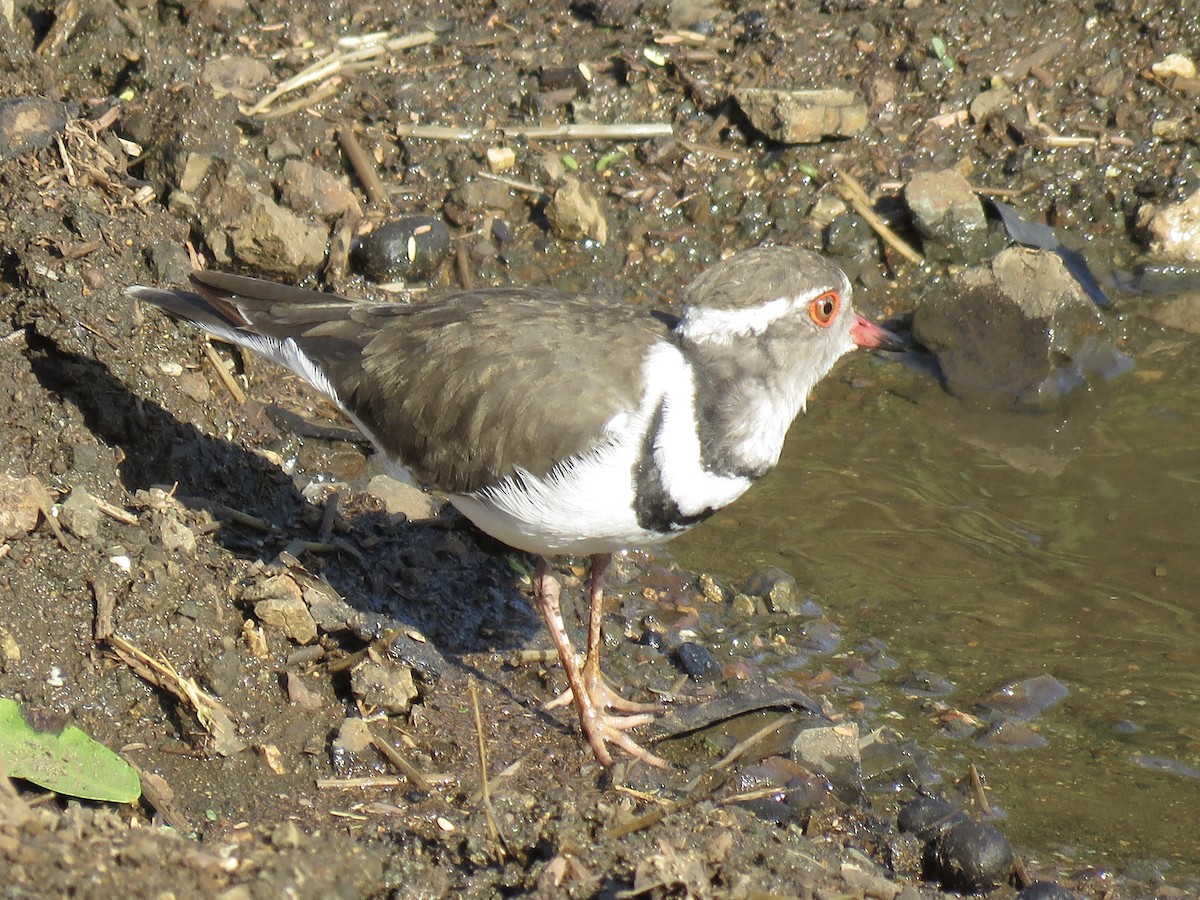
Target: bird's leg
[(587, 688)]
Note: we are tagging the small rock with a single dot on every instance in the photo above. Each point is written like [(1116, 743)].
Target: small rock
[(312, 191), (1026, 699), (29, 123), (21, 501), (237, 75), (743, 605), (301, 694), (1007, 734), (409, 249), (1018, 332), (777, 588), (710, 589), (289, 615), (697, 661), (287, 836), (279, 602), (168, 262), (947, 214), (972, 857), (574, 213), (383, 686), (987, 103), (176, 536), (832, 751), (1174, 230), (353, 738), (1182, 313), (80, 515), (1174, 65), (803, 117), (868, 880), (501, 159), (403, 499)]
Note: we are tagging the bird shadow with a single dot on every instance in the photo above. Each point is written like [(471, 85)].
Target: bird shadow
[(443, 579)]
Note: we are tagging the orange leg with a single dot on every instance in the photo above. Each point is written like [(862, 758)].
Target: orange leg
[(592, 695)]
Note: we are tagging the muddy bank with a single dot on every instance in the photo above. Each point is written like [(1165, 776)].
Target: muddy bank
[(175, 138)]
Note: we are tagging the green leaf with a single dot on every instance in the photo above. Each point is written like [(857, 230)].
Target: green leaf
[(811, 171), (608, 159), (939, 49), (570, 162), (68, 762)]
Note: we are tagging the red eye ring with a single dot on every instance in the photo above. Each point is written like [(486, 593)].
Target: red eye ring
[(823, 309)]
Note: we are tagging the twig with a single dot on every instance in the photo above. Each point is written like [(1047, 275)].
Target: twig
[(499, 848), (526, 187), (368, 781), (397, 759), (235, 390), (853, 193), (587, 131), (741, 747), (106, 604), (351, 51), (115, 512), (324, 92), (978, 791), (211, 713), (363, 166), (328, 516)]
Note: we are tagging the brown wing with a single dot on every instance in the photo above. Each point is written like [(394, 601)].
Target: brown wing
[(466, 388)]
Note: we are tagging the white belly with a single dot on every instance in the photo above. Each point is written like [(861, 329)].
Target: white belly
[(590, 504)]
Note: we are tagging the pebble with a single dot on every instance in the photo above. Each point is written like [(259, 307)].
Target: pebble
[(412, 248), (697, 661), (973, 857), (79, 514), (574, 213), (403, 499), (778, 590), (311, 191), (1026, 699)]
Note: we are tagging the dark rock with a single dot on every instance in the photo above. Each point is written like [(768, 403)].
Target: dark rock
[(168, 262), (409, 249), (928, 816), (972, 857), (697, 661), (1018, 332), (29, 123)]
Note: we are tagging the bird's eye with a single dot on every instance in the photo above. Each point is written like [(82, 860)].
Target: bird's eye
[(822, 309)]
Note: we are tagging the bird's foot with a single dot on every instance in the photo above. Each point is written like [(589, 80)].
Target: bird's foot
[(606, 716)]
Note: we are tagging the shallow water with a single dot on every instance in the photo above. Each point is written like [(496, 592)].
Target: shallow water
[(990, 547)]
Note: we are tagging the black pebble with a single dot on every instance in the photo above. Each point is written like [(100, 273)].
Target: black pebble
[(409, 249), (1047, 890), (652, 638), (927, 817), (697, 661), (972, 857)]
